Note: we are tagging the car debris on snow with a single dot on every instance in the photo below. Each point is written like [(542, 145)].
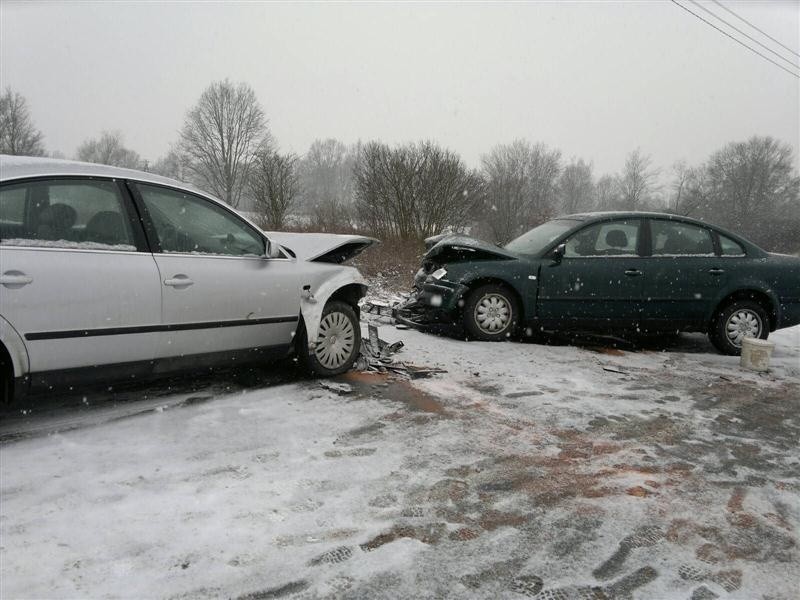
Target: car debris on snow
[(377, 355)]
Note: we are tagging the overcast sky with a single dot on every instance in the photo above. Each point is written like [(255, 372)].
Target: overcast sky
[(595, 80)]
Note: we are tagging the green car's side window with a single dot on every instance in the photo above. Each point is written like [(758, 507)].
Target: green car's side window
[(729, 247), (674, 238), (615, 238)]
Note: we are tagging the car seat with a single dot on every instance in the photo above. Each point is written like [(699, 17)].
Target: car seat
[(106, 227), (616, 240), (56, 222)]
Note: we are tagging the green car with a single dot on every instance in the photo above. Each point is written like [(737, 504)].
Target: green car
[(609, 272)]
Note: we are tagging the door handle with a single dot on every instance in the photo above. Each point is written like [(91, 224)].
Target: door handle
[(633, 272), (15, 279), (179, 281), (716, 271)]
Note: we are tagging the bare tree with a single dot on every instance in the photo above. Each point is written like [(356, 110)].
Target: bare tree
[(414, 191), (520, 187), (173, 165), (446, 192), (326, 175), (274, 184), (109, 149), (753, 187), (220, 136), (576, 187), (689, 194), (637, 181), (606, 193), (18, 135)]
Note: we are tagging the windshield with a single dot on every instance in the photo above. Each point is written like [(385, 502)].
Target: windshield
[(538, 238)]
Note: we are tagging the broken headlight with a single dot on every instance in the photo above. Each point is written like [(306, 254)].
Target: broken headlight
[(439, 273)]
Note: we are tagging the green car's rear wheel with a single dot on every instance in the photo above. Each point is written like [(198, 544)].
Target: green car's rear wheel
[(738, 320)]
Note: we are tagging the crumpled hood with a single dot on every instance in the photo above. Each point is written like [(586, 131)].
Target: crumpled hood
[(463, 247), (322, 247)]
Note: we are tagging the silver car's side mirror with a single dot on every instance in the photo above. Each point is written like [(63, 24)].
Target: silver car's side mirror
[(273, 250)]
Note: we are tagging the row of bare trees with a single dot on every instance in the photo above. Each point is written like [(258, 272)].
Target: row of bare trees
[(420, 189)]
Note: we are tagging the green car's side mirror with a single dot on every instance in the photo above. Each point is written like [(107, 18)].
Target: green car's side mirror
[(558, 253)]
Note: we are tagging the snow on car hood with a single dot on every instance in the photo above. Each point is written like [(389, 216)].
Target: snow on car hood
[(322, 247), (462, 247)]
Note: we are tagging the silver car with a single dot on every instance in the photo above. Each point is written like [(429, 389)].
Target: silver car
[(108, 273)]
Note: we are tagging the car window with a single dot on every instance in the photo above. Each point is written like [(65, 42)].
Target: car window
[(67, 213), (730, 247), (538, 238), (615, 238), (673, 238), (187, 224)]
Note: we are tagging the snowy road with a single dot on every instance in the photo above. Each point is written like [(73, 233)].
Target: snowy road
[(525, 471)]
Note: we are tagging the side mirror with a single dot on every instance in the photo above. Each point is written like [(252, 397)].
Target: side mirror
[(273, 250), (558, 252)]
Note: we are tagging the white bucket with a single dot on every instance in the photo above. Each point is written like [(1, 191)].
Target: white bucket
[(756, 354)]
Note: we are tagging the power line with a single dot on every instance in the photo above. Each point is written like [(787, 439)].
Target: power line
[(761, 31), (749, 37), (738, 41)]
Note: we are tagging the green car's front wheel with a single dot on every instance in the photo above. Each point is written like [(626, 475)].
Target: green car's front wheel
[(491, 313)]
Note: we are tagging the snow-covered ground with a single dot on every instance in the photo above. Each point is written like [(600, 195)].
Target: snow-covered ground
[(534, 470)]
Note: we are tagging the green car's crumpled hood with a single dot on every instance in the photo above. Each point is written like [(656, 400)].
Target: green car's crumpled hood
[(462, 247)]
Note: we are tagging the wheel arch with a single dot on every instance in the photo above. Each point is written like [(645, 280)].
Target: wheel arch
[(347, 285), (761, 297), (13, 348)]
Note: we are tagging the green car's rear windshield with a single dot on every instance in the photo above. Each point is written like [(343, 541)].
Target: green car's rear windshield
[(538, 238)]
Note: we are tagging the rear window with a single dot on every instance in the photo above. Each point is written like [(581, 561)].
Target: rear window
[(729, 247), (65, 213), (674, 238)]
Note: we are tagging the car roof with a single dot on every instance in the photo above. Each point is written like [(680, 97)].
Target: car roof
[(20, 167), (596, 216)]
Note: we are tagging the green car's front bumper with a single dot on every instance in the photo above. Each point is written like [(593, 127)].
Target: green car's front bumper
[(434, 302)]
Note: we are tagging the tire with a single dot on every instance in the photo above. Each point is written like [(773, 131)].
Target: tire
[(491, 313), (6, 379), (338, 342), (742, 318)]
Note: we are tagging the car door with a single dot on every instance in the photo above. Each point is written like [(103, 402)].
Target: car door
[(683, 275), (598, 281), (220, 290), (77, 280)]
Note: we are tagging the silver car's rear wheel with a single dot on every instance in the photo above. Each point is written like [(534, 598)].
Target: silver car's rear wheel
[(336, 341)]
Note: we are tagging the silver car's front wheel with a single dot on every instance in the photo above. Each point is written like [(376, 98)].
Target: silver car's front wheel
[(337, 344), (336, 341)]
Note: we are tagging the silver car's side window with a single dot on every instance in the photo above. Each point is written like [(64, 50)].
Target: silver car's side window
[(186, 224), (615, 238), (65, 213)]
